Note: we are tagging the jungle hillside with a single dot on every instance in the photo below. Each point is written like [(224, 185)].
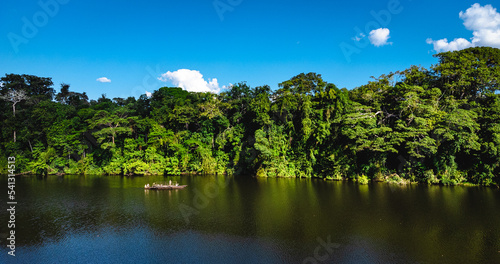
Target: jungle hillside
[(437, 126)]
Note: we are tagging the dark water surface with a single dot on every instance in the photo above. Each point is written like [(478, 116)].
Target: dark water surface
[(217, 219)]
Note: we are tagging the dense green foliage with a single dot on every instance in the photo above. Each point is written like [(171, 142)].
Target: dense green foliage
[(438, 125)]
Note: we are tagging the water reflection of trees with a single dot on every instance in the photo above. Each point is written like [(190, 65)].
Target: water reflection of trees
[(419, 221)]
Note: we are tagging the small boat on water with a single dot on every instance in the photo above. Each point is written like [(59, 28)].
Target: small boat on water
[(159, 186)]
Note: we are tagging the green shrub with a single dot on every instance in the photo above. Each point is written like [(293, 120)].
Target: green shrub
[(396, 179), (452, 177), (430, 178), (363, 179)]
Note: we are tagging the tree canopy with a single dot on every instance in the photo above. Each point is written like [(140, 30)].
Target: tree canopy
[(437, 125)]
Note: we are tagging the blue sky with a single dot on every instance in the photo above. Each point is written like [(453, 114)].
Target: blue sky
[(191, 43)]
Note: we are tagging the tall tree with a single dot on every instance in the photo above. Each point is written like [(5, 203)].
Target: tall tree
[(110, 125), (470, 72), (37, 88), (15, 96)]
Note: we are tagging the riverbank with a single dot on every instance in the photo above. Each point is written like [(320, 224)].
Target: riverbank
[(245, 219), (359, 179)]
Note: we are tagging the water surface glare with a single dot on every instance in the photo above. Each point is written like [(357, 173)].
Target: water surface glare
[(217, 219)]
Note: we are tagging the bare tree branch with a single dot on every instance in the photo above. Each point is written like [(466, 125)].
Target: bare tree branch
[(15, 97)]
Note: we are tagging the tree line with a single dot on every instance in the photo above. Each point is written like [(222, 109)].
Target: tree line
[(438, 126)]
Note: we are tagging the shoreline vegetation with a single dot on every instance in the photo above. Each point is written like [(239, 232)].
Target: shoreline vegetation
[(362, 180), (433, 126)]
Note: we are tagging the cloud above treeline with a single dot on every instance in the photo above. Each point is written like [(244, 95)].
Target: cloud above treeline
[(191, 80), (103, 80), (483, 21), (377, 37)]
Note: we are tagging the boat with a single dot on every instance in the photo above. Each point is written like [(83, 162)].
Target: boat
[(159, 186)]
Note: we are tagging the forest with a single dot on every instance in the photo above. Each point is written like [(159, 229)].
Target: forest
[(435, 126)]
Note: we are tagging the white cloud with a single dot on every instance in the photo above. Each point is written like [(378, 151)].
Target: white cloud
[(483, 21), (379, 37), (443, 44), (191, 80), (103, 80), (478, 17), (148, 94)]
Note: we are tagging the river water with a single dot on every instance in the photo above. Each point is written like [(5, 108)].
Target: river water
[(217, 219)]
